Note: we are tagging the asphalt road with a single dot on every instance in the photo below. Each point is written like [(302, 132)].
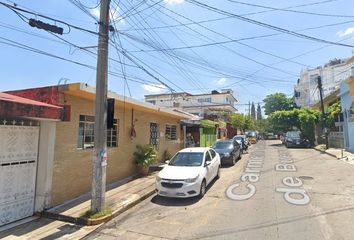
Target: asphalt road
[(308, 195)]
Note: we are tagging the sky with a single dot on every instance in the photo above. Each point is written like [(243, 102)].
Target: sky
[(159, 46)]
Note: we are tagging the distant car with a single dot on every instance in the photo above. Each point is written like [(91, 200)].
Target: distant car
[(270, 136), (296, 139), (188, 173), (229, 151), (252, 137), (242, 140)]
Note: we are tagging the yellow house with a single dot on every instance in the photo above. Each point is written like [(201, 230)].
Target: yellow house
[(68, 167)]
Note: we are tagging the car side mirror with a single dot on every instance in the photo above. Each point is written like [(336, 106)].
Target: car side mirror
[(207, 163), (167, 161)]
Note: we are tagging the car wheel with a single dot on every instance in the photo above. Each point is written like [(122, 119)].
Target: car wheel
[(218, 173), (202, 189), (239, 156)]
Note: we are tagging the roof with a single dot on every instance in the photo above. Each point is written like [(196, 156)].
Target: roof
[(85, 91), (12, 98), (195, 149), (20, 107)]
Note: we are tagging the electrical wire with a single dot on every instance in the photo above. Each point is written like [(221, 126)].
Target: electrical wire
[(265, 25)]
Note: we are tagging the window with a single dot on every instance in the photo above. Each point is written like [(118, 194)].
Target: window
[(213, 154), (154, 135), (86, 133), (207, 156), (201, 100), (171, 132), (151, 101)]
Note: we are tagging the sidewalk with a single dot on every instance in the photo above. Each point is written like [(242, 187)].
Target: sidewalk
[(71, 225), (338, 153)]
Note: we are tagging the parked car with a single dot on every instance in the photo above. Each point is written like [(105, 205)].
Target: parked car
[(252, 137), (296, 139), (188, 173), (270, 136), (242, 140), (229, 151)]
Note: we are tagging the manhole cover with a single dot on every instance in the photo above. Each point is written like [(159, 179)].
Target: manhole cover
[(306, 178)]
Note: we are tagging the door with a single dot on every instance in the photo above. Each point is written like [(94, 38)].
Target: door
[(209, 168), (18, 164), (214, 162)]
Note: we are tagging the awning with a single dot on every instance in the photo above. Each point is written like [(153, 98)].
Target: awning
[(14, 106)]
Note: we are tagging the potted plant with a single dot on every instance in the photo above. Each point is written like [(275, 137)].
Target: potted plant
[(144, 156)]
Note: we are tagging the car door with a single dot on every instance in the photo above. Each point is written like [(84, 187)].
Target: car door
[(214, 162), (209, 168)]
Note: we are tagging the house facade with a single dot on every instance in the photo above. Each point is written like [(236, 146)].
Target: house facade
[(27, 134), (347, 103), (66, 147), (332, 74), (211, 104)]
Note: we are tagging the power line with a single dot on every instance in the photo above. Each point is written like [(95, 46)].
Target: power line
[(228, 17), (266, 25), (15, 44), (14, 8), (292, 11)]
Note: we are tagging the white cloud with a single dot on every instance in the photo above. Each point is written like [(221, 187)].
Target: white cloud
[(154, 88), (114, 14), (346, 32), (221, 81), (173, 2)]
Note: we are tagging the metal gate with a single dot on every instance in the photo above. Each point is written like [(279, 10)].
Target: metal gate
[(18, 164)]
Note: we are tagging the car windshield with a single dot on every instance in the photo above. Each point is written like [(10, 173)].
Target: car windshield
[(294, 134), (238, 138), (223, 145), (188, 159)]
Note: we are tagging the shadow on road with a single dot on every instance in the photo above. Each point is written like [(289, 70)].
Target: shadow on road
[(276, 145), (175, 202)]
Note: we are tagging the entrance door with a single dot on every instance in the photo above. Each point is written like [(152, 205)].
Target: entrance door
[(18, 164)]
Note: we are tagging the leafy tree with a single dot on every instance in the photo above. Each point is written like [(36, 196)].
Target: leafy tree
[(331, 111), (277, 102), (259, 112), (304, 119), (253, 111), (241, 121)]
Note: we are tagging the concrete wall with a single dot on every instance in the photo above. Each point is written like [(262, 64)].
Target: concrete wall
[(72, 166), (346, 103)]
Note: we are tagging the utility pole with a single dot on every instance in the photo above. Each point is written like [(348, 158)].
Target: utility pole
[(324, 117), (249, 109), (99, 165)]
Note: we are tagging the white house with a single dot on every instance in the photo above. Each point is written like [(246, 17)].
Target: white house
[(214, 103), (347, 103), (332, 74)]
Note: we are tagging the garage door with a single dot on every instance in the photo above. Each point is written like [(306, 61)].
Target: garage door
[(18, 164)]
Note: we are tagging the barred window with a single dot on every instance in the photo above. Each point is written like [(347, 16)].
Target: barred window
[(171, 132), (86, 133)]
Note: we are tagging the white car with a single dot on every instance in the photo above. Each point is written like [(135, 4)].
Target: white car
[(188, 173)]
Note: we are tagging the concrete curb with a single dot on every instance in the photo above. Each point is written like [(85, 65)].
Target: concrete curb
[(92, 222), (330, 154)]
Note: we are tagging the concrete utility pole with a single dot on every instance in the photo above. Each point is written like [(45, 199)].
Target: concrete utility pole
[(99, 165), (319, 85)]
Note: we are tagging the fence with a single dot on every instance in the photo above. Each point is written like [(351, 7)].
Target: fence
[(336, 139)]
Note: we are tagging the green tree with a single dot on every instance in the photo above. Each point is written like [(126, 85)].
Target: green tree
[(259, 112), (331, 111), (253, 111), (277, 102), (304, 119), (238, 120)]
